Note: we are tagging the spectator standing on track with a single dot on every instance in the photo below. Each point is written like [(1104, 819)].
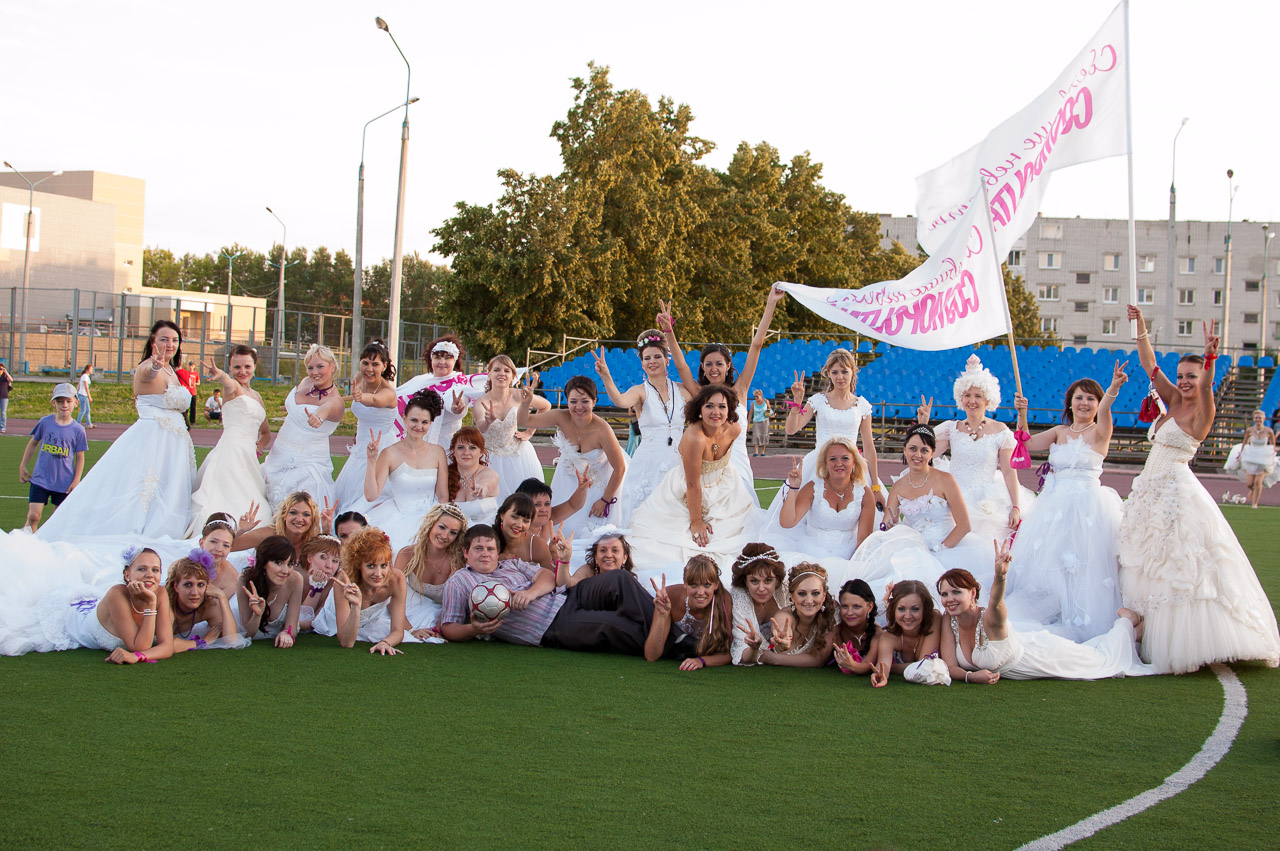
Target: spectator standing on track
[(85, 396), (6, 384), (190, 379)]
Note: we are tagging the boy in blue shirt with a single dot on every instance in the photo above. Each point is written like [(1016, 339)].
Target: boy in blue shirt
[(58, 444)]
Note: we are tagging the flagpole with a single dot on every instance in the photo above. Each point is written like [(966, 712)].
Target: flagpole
[(1004, 294), (1128, 133)]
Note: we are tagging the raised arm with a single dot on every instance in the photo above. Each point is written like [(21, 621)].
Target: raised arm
[(996, 617), (1106, 423), (1038, 442), (230, 387), (1147, 357), (656, 641), (377, 467), (799, 412), (631, 398), (798, 500), (667, 322), (757, 342)]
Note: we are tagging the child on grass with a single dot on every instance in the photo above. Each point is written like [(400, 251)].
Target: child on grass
[(58, 445)]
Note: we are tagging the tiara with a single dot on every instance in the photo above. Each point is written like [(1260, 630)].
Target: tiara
[(218, 521), (921, 427), (802, 575), (768, 555), (333, 538)]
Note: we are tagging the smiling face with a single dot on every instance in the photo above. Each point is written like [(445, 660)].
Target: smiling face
[(514, 525), (1189, 375), (375, 574), (1259, 419), (500, 375), (482, 555), (241, 369), (165, 344), (417, 422), (715, 367), (908, 613), (610, 554), (371, 368), (839, 462), (580, 404), (808, 596), (278, 572), (653, 360), (146, 569), (190, 592), (715, 412), (298, 518), (1084, 406), (917, 453), (955, 600), (442, 363), (444, 532), (762, 585), (974, 401), (854, 611), (699, 594), (218, 542), (320, 371)]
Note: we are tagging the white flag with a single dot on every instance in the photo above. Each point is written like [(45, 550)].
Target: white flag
[(1081, 117), (955, 298)]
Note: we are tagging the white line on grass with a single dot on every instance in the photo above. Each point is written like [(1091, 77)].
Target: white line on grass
[(1235, 706)]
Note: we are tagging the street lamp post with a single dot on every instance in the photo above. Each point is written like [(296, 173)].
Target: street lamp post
[(397, 258), (279, 330), (1169, 272), (1226, 284), (26, 254), (1267, 236), (231, 258), (357, 297)]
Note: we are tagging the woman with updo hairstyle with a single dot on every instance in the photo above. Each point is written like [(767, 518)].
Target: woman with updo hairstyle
[(495, 413), (1181, 566), (373, 401), (716, 367), (926, 525), (701, 507), (700, 610), (141, 487), (588, 449), (217, 537), (658, 402), (300, 458), (758, 590), (979, 645), (981, 452), (1066, 551), (230, 478), (318, 561), (801, 632), (473, 485), (409, 476)]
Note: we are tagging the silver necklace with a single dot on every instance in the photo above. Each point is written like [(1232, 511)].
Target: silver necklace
[(922, 484)]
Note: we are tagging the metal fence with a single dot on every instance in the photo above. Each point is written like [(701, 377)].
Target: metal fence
[(67, 329)]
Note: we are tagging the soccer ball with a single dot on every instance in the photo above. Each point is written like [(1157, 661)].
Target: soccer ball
[(490, 601)]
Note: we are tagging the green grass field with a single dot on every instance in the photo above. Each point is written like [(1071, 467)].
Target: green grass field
[(470, 744)]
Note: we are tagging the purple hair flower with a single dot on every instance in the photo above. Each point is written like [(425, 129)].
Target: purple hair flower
[(130, 553), (205, 560)]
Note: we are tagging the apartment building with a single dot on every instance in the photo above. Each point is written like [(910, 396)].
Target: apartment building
[(1078, 270)]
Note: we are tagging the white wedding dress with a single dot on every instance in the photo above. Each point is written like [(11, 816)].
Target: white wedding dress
[(661, 427), (348, 489), (141, 487), (1063, 573), (1182, 568), (230, 477), (565, 481), (976, 466), (1041, 655), (741, 456), (913, 549), (1250, 459), (300, 459), (824, 535), (660, 538), (412, 493), (514, 460), (479, 511)]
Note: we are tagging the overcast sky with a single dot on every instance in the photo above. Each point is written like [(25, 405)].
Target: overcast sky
[(224, 108)]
